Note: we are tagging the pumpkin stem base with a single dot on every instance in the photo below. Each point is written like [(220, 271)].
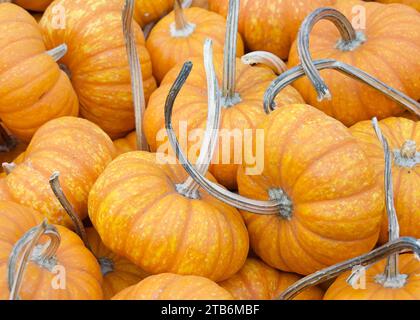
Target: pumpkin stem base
[(285, 204), (407, 157), (392, 283), (47, 263), (350, 45), (188, 192), (187, 30), (229, 101), (107, 265)]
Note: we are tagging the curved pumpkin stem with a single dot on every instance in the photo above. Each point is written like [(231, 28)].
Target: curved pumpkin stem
[(181, 28), (58, 52), (393, 247), (391, 277), (297, 72), (135, 72), (265, 58), (8, 141), (350, 40), (24, 248), (65, 203), (229, 95), (190, 187), (8, 167)]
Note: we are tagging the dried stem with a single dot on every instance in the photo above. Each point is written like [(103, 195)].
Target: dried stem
[(58, 52), (135, 72), (180, 21), (8, 167), (265, 58)]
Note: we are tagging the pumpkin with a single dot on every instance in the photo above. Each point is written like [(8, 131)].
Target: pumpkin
[(147, 11), (242, 98), (372, 50), (404, 138), (169, 286), (127, 144), (270, 25), (38, 5), (180, 36), (413, 3), (258, 281), (97, 60), (83, 278), (54, 148), (33, 88)]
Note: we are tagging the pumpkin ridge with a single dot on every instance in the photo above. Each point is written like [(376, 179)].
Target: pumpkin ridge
[(25, 38)]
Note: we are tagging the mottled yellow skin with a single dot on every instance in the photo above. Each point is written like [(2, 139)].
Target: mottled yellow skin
[(413, 3), (33, 89), (406, 180), (191, 107), (337, 203), (124, 274), (174, 287), (390, 53), (270, 25), (408, 265), (139, 215), (258, 281), (97, 60), (147, 11), (167, 50), (83, 276), (33, 5), (76, 148), (127, 144)]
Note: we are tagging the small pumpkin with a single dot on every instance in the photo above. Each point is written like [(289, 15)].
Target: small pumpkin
[(174, 287), (412, 3), (97, 60), (404, 138), (258, 281), (270, 25), (33, 88), (370, 48), (53, 148), (82, 277), (37, 5), (180, 36), (147, 11)]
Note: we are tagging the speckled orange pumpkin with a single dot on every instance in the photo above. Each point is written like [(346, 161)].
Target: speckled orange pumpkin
[(408, 265), (76, 148), (388, 49), (33, 5), (270, 25), (97, 60), (403, 136), (257, 281), (180, 36), (190, 109), (413, 3), (331, 202), (127, 144), (33, 89), (83, 275), (174, 287), (147, 11), (139, 214)]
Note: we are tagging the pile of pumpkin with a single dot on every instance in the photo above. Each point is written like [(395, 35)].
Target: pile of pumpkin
[(100, 200)]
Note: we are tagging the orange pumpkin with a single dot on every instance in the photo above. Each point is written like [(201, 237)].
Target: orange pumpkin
[(127, 144), (180, 36), (270, 25), (37, 5), (404, 138), (82, 273), (147, 11), (53, 148), (174, 287), (373, 49), (33, 89), (413, 3), (257, 281), (97, 60)]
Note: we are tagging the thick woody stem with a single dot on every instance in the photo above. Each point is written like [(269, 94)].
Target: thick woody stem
[(391, 277), (190, 187), (24, 249), (393, 247), (58, 52), (266, 58), (135, 72), (229, 95), (181, 28), (273, 207), (8, 141), (297, 72), (8, 167), (350, 40), (65, 203)]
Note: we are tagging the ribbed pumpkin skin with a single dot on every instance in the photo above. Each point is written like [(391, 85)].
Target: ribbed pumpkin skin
[(191, 107), (258, 281), (174, 287), (33, 5), (408, 265), (167, 51), (83, 275), (124, 274), (97, 60), (147, 11), (270, 25), (337, 203), (33, 89), (139, 215), (76, 148), (390, 54), (412, 3), (406, 181), (127, 144)]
